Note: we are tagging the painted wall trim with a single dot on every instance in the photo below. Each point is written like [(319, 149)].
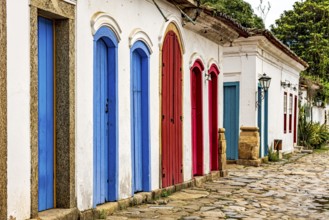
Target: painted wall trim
[(100, 19), (196, 57), (212, 62), (164, 29), (140, 35)]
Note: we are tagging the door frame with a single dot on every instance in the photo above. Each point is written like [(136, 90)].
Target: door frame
[(213, 148), (199, 149), (237, 113), (140, 47), (111, 41)]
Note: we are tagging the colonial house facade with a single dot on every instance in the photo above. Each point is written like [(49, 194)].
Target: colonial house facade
[(101, 100), (275, 111)]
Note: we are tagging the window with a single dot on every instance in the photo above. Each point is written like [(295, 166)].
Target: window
[(290, 112), (285, 112)]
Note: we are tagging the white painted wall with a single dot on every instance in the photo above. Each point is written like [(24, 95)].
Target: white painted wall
[(129, 15), (245, 62), (18, 96)]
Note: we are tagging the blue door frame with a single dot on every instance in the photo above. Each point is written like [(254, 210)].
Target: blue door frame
[(231, 118), (45, 114), (140, 132), (105, 116)]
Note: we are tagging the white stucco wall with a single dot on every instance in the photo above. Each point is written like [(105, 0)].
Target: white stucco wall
[(18, 96), (130, 15), (245, 62)]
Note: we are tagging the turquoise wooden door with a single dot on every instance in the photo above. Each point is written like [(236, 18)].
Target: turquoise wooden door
[(140, 117), (231, 119), (45, 114), (105, 117), (260, 119), (262, 116)]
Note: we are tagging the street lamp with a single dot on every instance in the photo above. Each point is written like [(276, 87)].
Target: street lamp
[(265, 82)]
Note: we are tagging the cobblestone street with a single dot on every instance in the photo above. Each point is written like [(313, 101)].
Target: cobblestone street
[(298, 189)]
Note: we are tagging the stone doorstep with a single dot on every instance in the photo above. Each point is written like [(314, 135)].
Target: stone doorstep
[(244, 162), (56, 214)]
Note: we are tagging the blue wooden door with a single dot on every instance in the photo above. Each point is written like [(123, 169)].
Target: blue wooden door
[(137, 121), (105, 117), (45, 114), (140, 117), (231, 119), (102, 124)]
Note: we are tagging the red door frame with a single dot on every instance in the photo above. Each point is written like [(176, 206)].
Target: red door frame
[(295, 119), (213, 117), (171, 109), (197, 117)]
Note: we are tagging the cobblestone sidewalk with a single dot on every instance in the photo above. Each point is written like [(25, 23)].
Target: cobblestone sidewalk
[(298, 189)]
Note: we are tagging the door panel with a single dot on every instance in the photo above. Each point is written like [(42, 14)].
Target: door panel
[(102, 124), (45, 114), (231, 119), (197, 121), (171, 111), (137, 122)]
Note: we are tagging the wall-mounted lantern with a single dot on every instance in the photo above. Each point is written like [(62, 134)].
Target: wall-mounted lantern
[(285, 84), (265, 82), (207, 76)]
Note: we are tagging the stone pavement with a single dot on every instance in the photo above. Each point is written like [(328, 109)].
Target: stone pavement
[(298, 189)]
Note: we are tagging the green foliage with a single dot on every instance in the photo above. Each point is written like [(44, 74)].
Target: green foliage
[(311, 135), (273, 155), (305, 29), (164, 193), (239, 10)]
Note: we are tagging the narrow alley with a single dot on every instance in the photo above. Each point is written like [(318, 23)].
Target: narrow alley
[(294, 189)]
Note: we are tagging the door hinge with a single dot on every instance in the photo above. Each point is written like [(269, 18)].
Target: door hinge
[(181, 118)]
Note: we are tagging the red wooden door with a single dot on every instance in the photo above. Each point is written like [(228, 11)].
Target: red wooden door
[(171, 126), (213, 118), (197, 118), (295, 120)]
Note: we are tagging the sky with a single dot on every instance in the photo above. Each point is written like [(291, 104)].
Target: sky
[(277, 8)]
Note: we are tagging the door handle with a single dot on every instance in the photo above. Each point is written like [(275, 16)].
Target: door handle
[(107, 106)]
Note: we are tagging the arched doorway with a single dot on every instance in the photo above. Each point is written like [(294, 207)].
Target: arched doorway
[(171, 109), (140, 56), (105, 116), (197, 118)]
